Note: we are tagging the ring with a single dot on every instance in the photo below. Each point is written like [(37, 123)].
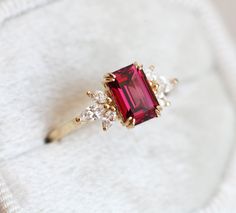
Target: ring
[(131, 95)]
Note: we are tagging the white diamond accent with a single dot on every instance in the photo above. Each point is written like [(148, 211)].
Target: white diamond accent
[(161, 88), (99, 96), (99, 110), (91, 113), (151, 75), (163, 102), (164, 86), (108, 119)]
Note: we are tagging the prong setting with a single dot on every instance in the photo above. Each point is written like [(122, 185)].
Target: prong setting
[(159, 108), (138, 66), (106, 106), (113, 109), (109, 100), (158, 111), (77, 119), (89, 94), (130, 122), (109, 77)]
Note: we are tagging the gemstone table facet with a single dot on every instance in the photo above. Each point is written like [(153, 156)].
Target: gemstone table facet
[(133, 94)]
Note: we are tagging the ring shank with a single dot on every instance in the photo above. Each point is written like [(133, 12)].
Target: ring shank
[(61, 131)]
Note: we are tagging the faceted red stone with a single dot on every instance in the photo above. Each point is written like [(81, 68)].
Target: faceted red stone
[(133, 94)]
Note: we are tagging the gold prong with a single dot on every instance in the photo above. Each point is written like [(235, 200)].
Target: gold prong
[(104, 128), (109, 100), (105, 85), (138, 66), (135, 64), (155, 87), (110, 77), (151, 83), (127, 122), (133, 122), (174, 81), (77, 119), (152, 67), (112, 108), (158, 113), (158, 110), (130, 122), (106, 106), (89, 93)]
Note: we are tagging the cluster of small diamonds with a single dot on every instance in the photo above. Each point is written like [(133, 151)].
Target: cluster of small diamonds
[(162, 84), (99, 110)]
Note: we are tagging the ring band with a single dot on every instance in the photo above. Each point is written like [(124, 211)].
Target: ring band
[(131, 95)]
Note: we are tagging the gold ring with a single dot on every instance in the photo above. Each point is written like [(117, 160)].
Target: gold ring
[(131, 95)]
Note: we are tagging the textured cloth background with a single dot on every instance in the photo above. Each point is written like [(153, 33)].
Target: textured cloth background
[(50, 56)]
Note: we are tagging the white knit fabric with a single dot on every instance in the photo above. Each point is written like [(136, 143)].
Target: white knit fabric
[(49, 56), (7, 202)]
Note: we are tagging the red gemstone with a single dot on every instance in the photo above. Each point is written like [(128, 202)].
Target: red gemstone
[(133, 94)]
